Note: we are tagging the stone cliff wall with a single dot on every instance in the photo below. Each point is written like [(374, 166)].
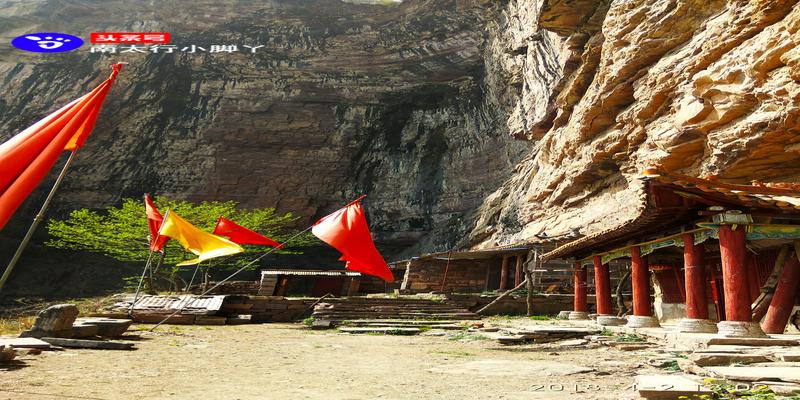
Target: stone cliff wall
[(397, 101), (608, 88)]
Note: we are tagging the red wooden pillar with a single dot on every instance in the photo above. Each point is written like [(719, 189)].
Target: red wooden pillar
[(602, 287), (783, 300), (695, 277), (518, 271), (640, 283), (504, 274), (579, 304), (734, 273)]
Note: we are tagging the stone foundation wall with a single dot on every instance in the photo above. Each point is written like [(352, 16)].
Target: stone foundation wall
[(232, 287), (462, 276), (268, 308), (516, 304)]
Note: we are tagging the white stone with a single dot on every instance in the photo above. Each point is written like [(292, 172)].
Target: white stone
[(690, 325), (640, 321), (578, 315), (669, 386), (786, 374), (610, 320), (740, 329)]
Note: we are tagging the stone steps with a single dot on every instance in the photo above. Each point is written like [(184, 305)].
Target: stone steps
[(366, 308)]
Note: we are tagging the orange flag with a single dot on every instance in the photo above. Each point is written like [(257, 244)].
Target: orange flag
[(346, 230), (26, 158), (203, 244)]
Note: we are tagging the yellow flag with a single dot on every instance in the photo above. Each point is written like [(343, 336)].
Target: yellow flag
[(203, 244)]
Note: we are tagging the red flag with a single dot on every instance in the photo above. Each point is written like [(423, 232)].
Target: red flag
[(26, 158), (154, 220), (347, 231), (241, 235)]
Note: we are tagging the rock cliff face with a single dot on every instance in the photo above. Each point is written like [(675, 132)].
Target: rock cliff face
[(608, 88), (469, 122), (396, 100)]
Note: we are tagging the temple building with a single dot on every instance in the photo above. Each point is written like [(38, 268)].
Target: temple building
[(723, 257)]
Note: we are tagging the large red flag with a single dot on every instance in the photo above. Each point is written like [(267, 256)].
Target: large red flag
[(154, 220), (241, 235), (347, 231), (26, 158)]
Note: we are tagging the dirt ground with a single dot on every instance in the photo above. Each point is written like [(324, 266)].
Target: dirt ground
[(289, 361)]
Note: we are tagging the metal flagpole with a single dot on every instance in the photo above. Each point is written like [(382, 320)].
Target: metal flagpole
[(147, 264), (141, 279), (161, 259), (189, 286), (36, 220)]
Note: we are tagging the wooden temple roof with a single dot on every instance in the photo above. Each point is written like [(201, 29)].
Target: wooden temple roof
[(671, 201)]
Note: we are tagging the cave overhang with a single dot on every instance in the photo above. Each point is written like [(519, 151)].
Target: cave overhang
[(673, 205)]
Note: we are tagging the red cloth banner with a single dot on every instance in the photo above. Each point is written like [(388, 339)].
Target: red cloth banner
[(27, 158), (154, 220), (241, 235), (346, 230)]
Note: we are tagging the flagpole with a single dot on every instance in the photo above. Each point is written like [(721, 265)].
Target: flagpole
[(189, 286), (37, 220), (141, 279), (147, 265), (355, 201), (160, 259)]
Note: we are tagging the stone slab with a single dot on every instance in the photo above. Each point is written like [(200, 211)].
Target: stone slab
[(780, 388), (25, 343), (790, 357), (744, 341), (610, 320), (404, 331), (714, 359), (107, 327), (786, 374), (669, 387), (401, 325), (80, 330), (559, 330), (88, 344), (724, 348), (509, 340), (513, 368)]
